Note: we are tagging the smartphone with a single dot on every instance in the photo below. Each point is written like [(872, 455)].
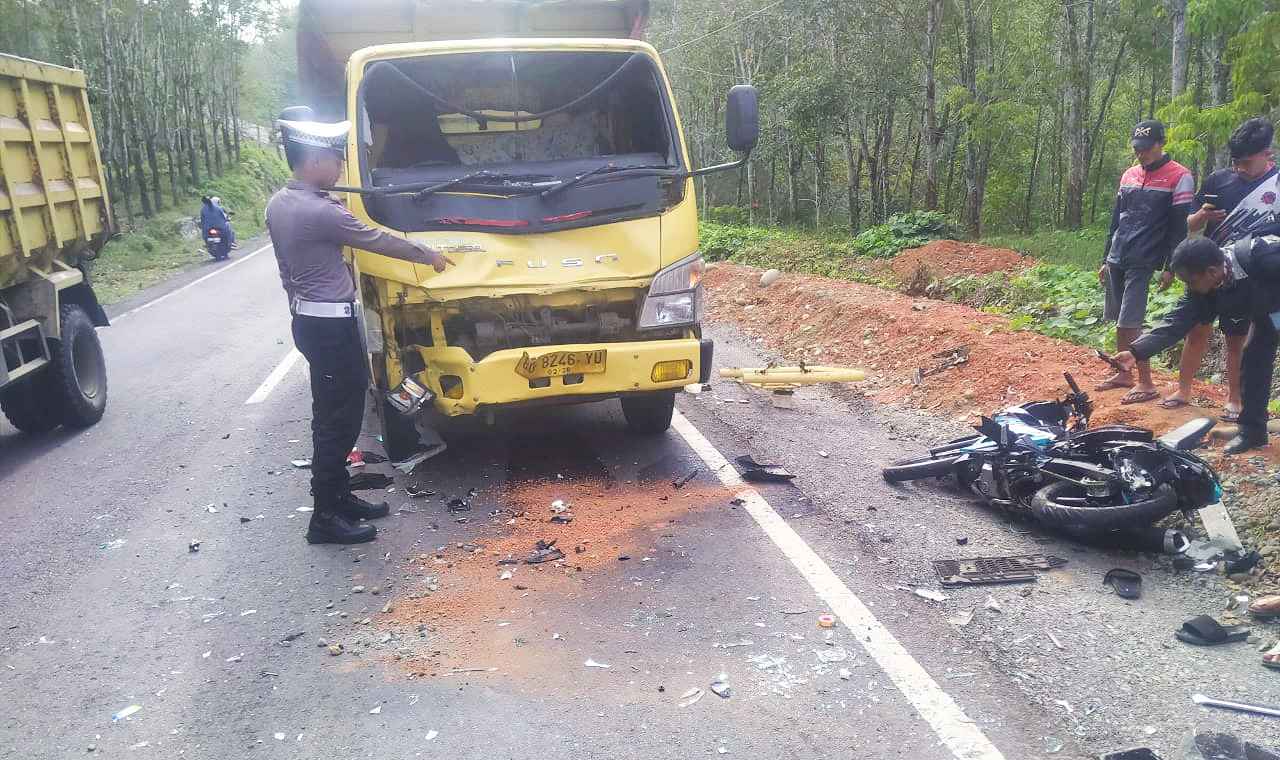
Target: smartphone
[(1211, 199)]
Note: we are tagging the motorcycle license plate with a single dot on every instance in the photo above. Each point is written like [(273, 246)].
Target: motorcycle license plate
[(212, 239), (559, 363)]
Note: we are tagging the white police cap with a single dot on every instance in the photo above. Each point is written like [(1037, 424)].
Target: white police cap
[(316, 134)]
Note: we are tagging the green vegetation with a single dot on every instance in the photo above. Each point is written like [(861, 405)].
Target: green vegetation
[(1051, 299), (830, 254), (156, 249), (1081, 249)]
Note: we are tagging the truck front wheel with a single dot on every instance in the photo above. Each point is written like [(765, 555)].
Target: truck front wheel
[(649, 413), (31, 405), (79, 373)]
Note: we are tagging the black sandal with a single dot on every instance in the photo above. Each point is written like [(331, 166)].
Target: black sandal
[(1204, 631), (1127, 584)]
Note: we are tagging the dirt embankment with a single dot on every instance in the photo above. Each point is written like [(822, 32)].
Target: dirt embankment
[(942, 259)]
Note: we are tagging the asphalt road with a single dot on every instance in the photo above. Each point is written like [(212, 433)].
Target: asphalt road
[(105, 606)]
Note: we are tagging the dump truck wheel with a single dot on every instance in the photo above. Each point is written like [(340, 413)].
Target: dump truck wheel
[(79, 376), (31, 406), (649, 413)]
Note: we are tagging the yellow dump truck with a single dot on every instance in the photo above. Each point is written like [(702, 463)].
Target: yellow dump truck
[(54, 215), (538, 145)]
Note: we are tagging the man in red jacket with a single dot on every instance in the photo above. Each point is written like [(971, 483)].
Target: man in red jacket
[(1149, 219)]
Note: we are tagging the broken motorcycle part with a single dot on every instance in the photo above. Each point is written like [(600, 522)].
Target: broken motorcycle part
[(980, 571)]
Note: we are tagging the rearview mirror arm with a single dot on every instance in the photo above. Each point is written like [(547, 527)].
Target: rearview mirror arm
[(741, 162)]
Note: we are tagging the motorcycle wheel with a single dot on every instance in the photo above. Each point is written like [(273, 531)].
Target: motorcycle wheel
[(1063, 505), (919, 469)]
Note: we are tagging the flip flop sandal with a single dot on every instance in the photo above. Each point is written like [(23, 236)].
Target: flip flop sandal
[(1172, 403), (1110, 385), (1139, 397), (1229, 416), (1204, 631), (1127, 584), (1271, 658), (1265, 606)]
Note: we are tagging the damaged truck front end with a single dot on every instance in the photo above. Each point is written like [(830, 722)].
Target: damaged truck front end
[(554, 174)]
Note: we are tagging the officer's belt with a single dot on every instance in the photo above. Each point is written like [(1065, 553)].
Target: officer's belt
[(339, 310)]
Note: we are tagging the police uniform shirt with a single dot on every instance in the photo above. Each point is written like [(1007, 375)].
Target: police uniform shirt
[(308, 232)]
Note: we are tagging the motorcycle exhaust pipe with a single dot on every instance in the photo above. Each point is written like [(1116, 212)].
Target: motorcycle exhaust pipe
[(1152, 540)]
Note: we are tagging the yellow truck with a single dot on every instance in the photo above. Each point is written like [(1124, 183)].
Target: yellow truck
[(538, 145), (54, 216)]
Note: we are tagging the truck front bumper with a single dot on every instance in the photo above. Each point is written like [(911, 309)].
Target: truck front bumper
[(463, 386)]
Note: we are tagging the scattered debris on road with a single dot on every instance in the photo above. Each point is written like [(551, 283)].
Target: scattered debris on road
[(757, 472), (125, 713)]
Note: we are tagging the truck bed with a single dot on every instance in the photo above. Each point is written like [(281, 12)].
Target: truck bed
[(53, 204)]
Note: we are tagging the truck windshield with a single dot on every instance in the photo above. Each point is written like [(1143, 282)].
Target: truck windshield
[(517, 137)]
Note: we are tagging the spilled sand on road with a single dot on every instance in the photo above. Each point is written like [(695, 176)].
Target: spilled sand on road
[(476, 619)]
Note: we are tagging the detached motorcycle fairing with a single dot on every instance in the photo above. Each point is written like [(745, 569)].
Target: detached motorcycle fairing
[(1042, 459)]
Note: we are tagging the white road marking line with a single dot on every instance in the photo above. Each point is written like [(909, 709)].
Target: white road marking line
[(275, 377), (956, 730), (189, 285)]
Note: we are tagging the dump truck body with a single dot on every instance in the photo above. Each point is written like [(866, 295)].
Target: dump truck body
[(54, 215), (551, 167)]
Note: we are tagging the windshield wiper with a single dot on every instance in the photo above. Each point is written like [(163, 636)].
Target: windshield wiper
[(602, 169), (483, 175)]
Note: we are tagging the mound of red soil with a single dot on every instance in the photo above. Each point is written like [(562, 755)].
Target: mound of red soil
[(951, 258)]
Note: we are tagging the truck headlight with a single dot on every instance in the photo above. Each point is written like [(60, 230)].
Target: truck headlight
[(675, 296)]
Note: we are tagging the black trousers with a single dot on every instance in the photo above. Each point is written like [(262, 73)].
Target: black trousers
[(1256, 368), (339, 379)]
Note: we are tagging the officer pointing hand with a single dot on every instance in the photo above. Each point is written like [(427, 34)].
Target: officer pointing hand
[(309, 231)]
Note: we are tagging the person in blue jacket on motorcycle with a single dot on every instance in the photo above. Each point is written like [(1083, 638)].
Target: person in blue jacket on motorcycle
[(1242, 279), (214, 217)]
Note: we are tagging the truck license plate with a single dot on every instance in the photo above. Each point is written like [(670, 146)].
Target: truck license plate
[(557, 363)]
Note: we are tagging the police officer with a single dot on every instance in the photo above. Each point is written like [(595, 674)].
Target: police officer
[(1243, 278), (308, 232)]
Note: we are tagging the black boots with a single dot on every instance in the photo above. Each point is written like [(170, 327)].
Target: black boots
[(333, 528), (1244, 441), (355, 508)]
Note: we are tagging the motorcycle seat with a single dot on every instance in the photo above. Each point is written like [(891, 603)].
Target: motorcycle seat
[(1189, 435)]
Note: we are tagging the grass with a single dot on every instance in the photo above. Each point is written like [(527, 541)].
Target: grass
[(1080, 249), (155, 249)]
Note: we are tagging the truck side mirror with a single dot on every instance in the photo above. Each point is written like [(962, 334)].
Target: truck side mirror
[(742, 118)]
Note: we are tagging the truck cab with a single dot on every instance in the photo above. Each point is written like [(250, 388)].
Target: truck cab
[(552, 169)]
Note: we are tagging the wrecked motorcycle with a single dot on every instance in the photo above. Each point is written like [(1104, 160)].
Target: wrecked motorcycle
[(1043, 459)]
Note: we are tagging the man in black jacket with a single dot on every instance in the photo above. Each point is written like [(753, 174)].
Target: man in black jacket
[(1242, 279)]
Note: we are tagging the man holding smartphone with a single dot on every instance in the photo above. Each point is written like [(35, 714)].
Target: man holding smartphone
[(1249, 184)]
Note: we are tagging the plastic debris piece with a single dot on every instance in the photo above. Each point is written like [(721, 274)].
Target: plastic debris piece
[(1053, 745), (544, 551), (559, 507), (432, 734), (846, 674), (963, 619), (414, 492), (506, 575), (691, 696), (993, 605), (211, 509), (930, 594), (824, 454), (376, 711), (279, 736), (301, 464), (832, 654), (126, 712), (335, 650), (756, 472), (826, 621), (684, 479), (720, 687), (305, 509), (593, 664), (235, 657), (193, 546)]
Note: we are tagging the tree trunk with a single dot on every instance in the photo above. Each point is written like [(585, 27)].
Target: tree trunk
[(1031, 180), (1097, 182), (1077, 165), (852, 185), (1178, 12), (933, 24)]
